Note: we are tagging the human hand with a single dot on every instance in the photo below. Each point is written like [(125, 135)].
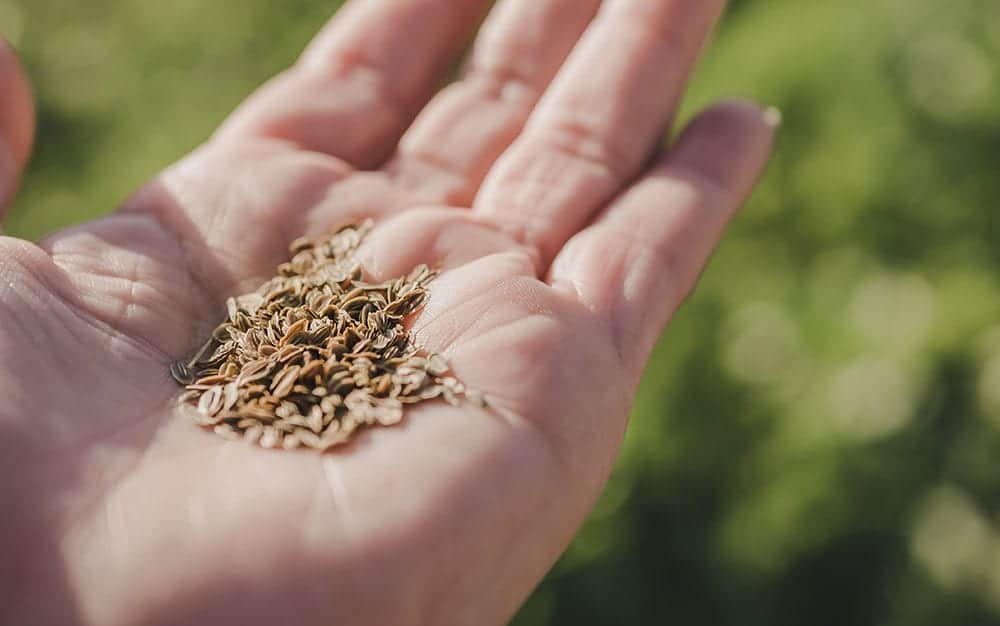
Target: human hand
[(566, 239)]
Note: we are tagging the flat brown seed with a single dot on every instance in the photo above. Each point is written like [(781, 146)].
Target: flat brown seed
[(228, 432), (308, 438), (437, 365), (253, 371), (270, 438), (315, 419), (256, 412), (180, 372), (253, 433), (211, 401), (293, 330), (476, 398), (284, 381), (388, 414), (316, 353), (214, 379), (450, 397), (314, 368), (229, 370), (331, 439)]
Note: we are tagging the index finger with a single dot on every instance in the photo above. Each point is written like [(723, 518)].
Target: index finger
[(363, 79)]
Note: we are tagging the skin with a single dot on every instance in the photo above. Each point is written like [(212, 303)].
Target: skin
[(567, 238)]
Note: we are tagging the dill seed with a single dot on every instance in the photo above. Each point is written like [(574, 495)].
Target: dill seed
[(316, 353)]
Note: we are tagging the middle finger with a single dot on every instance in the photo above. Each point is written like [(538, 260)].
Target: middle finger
[(599, 121), (451, 146)]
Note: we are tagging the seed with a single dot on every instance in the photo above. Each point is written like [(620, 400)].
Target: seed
[(293, 330), (284, 381), (214, 379), (211, 402), (307, 438), (180, 372), (437, 365), (316, 353), (389, 412), (228, 432), (476, 398), (252, 434), (315, 419), (255, 370), (314, 368), (270, 438)]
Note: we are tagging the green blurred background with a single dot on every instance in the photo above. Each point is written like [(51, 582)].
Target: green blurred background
[(817, 440)]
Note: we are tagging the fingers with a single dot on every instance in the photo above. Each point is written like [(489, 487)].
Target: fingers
[(17, 123), (466, 127), (440, 237), (363, 79), (600, 120), (640, 258)]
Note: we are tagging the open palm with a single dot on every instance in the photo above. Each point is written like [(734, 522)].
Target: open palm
[(566, 241)]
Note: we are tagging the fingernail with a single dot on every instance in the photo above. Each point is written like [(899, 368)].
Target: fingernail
[(772, 117)]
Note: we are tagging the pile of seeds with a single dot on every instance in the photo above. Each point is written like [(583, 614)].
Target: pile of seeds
[(315, 353)]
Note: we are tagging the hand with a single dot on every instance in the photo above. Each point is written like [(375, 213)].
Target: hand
[(566, 237)]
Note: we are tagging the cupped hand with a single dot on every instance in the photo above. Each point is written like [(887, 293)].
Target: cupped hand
[(566, 237)]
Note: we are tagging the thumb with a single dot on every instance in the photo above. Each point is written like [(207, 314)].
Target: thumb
[(17, 123)]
